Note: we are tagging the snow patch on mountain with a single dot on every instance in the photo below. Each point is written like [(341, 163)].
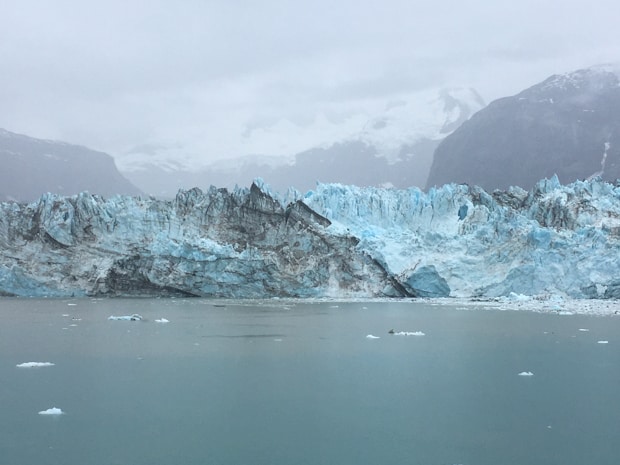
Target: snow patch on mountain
[(428, 114)]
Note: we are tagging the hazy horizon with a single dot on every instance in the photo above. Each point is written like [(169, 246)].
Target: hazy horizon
[(204, 81)]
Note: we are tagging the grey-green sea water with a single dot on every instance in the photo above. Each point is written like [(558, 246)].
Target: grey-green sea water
[(277, 382)]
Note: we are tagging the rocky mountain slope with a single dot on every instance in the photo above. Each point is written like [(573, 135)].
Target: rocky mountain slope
[(31, 167), (567, 125)]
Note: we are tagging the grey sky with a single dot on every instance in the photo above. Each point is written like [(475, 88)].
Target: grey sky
[(195, 76)]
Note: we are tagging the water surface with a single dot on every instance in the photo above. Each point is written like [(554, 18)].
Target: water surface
[(282, 382)]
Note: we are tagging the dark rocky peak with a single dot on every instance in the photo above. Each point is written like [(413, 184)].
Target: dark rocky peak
[(576, 87), (567, 125)]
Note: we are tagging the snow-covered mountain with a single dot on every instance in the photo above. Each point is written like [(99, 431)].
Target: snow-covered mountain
[(31, 167), (567, 125), (391, 147), (335, 241)]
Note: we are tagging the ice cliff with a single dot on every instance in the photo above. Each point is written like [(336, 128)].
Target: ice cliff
[(219, 243), (335, 241)]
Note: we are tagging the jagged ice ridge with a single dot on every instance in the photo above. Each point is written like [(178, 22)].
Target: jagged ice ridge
[(335, 241)]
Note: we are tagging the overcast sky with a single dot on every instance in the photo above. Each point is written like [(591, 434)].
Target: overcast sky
[(199, 76)]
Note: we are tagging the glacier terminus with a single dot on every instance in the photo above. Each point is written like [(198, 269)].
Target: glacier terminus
[(334, 241)]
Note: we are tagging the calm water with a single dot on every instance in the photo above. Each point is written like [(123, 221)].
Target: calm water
[(299, 383)]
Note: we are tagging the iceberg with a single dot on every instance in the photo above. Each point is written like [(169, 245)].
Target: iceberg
[(526, 373), (335, 241), (134, 317), (370, 336), (34, 364), (408, 333), (52, 411), (162, 320)]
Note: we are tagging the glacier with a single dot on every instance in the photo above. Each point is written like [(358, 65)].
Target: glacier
[(334, 241)]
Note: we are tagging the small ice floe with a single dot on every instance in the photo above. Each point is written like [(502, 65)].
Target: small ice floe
[(34, 364), (65, 315), (52, 411), (162, 320), (584, 330), (134, 317), (602, 342), (526, 373), (370, 336), (565, 312), (406, 333), (71, 304)]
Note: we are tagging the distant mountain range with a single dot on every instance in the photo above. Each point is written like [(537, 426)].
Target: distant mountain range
[(393, 148), (567, 125), (31, 167)]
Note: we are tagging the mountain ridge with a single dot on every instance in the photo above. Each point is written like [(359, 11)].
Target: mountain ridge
[(394, 148), (565, 125), (31, 167)]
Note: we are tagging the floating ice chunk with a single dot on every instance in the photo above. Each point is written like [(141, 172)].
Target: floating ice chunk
[(71, 304), (370, 336), (162, 320), (518, 297), (409, 333), (134, 317), (603, 342), (51, 411), (565, 312), (526, 373), (34, 364), (65, 314), (584, 329)]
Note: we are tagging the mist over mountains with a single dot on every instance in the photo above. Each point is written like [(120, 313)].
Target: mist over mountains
[(392, 149), (568, 125)]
